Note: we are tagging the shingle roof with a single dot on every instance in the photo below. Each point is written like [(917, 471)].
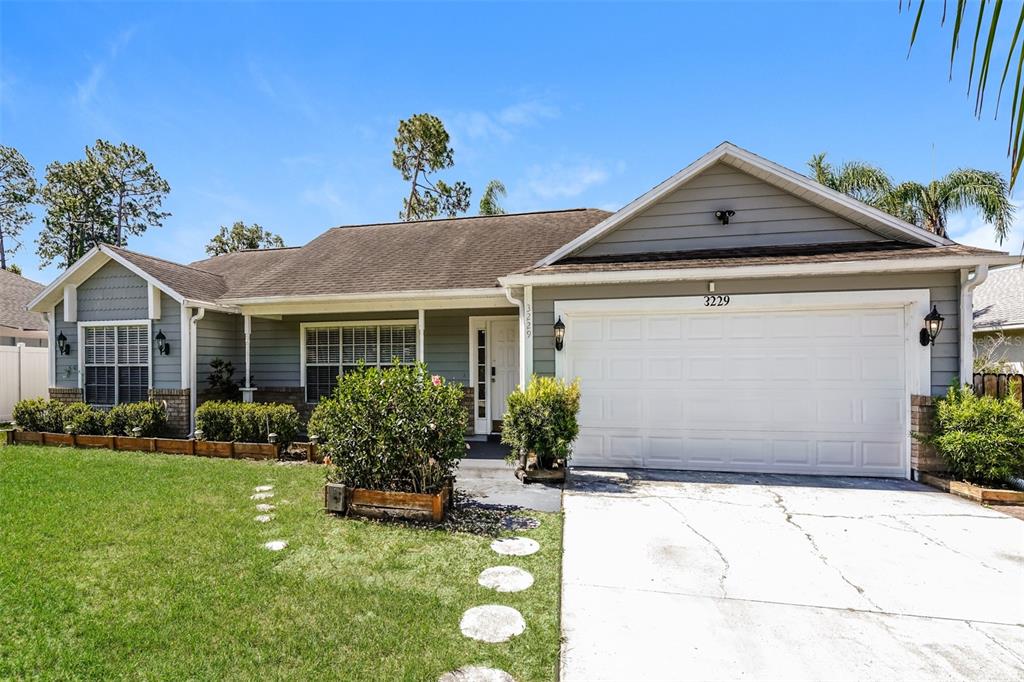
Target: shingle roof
[(999, 300), (15, 293), (452, 253), (188, 281), (822, 253)]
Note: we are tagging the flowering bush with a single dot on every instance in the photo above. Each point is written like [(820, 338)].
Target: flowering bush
[(397, 428), (542, 420)]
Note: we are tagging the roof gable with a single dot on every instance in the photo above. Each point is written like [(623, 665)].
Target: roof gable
[(722, 162), (765, 216), (15, 293)]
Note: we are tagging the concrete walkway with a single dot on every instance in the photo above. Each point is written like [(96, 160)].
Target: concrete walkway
[(493, 481), (716, 576)]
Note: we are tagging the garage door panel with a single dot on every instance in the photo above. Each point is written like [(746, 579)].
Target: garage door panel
[(791, 391)]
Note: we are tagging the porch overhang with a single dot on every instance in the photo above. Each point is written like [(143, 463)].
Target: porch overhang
[(427, 299)]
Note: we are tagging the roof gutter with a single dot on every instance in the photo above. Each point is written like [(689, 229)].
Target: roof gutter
[(757, 271), (967, 286)]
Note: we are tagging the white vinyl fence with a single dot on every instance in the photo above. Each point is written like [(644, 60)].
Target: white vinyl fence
[(22, 375)]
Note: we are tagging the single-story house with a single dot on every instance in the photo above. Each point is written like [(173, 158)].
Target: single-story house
[(736, 317), (999, 318), (18, 325)]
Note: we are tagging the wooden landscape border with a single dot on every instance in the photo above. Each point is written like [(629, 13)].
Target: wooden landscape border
[(168, 446)]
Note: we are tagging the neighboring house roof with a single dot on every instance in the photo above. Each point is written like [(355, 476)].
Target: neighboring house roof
[(454, 253), (15, 294), (999, 300), (838, 203)]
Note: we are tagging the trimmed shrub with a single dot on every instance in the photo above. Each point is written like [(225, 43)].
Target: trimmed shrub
[(397, 428), (542, 420), (981, 438), (39, 414), (247, 422), (84, 419), (151, 417)]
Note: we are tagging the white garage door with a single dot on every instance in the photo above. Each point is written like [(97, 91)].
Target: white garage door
[(796, 391)]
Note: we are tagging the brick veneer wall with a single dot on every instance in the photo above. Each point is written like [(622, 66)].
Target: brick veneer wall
[(469, 405), (289, 395), (923, 456), (177, 403), (66, 395)]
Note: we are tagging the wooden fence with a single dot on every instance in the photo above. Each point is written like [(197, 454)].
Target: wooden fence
[(999, 385), (22, 375)]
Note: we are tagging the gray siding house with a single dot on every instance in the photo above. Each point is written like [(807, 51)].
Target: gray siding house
[(737, 317)]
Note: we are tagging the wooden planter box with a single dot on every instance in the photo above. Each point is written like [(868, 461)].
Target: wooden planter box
[(169, 446), (382, 504), (973, 492)]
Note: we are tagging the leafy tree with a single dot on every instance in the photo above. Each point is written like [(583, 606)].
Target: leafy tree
[(489, 201), (927, 206), (78, 216), (241, 237), (135, 191), (14, 268), (421, 148), (112, 193), (17, 192)]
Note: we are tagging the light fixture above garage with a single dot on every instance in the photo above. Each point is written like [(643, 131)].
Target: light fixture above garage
[(724, 215), (932, 326), (559, 334)]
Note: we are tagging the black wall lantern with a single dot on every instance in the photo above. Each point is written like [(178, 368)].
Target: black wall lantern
[(63, 347), (559, 334), (161, 343), (932, 326)]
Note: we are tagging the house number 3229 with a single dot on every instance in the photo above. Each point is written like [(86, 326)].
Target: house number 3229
[(715, 301)]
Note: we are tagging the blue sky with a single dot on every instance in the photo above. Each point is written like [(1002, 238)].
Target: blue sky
[(284, 114)]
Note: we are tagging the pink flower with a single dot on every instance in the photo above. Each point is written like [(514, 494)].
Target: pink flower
[(436, 380)]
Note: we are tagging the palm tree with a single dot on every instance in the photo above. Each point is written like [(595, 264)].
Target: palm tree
[(927, 206), (862, 181), (489, 204)]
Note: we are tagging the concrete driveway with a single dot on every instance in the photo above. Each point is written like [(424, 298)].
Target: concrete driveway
[(721, 576)]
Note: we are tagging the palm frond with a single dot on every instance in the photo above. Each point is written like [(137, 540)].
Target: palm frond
[(986, 191)]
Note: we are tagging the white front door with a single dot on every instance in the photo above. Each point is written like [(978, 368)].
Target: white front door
[(504, 361)]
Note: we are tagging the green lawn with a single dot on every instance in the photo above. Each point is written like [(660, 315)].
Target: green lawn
[(140, 565)]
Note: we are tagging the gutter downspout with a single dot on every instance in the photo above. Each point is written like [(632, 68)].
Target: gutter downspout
[(200, 314), (520, 303), (967, 286)]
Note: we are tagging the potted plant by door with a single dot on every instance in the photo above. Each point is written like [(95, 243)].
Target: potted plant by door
[(540, 427)]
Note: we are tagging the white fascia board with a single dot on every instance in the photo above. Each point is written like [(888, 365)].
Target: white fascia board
[(387, 295), (492, 297), (726, 152), (79, 271), (755, 271), (210, 307)]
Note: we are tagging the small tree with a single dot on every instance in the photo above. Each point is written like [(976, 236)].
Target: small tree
[(17, 192), (422, 147), (489, 202), (77, 215), (240, 237)]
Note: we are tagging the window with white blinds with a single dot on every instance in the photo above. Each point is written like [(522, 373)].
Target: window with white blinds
[(331, 351), (116, 364)]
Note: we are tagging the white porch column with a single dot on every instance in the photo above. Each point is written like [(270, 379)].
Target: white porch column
[(420, 352), (247, 391)]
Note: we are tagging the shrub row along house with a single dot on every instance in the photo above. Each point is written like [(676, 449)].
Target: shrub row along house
[(736, 317)]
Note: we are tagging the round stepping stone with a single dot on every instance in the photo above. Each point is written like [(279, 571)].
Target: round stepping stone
[(261, 496), (262, 488), (276, 545), (506, 579), (520, 523), (515, 546), (476, 673), (492, 623), (265, 507), (265, 518)]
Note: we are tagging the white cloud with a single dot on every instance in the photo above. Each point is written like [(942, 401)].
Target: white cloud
[(87, 89), (969, 228), (500, 124), (561, 181), (327, 196), (284, 90)]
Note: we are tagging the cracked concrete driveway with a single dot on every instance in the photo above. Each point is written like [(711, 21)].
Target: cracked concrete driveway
[(729, 576)]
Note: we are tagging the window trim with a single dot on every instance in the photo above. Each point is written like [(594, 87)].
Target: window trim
[(303, 326), (81, 326)]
